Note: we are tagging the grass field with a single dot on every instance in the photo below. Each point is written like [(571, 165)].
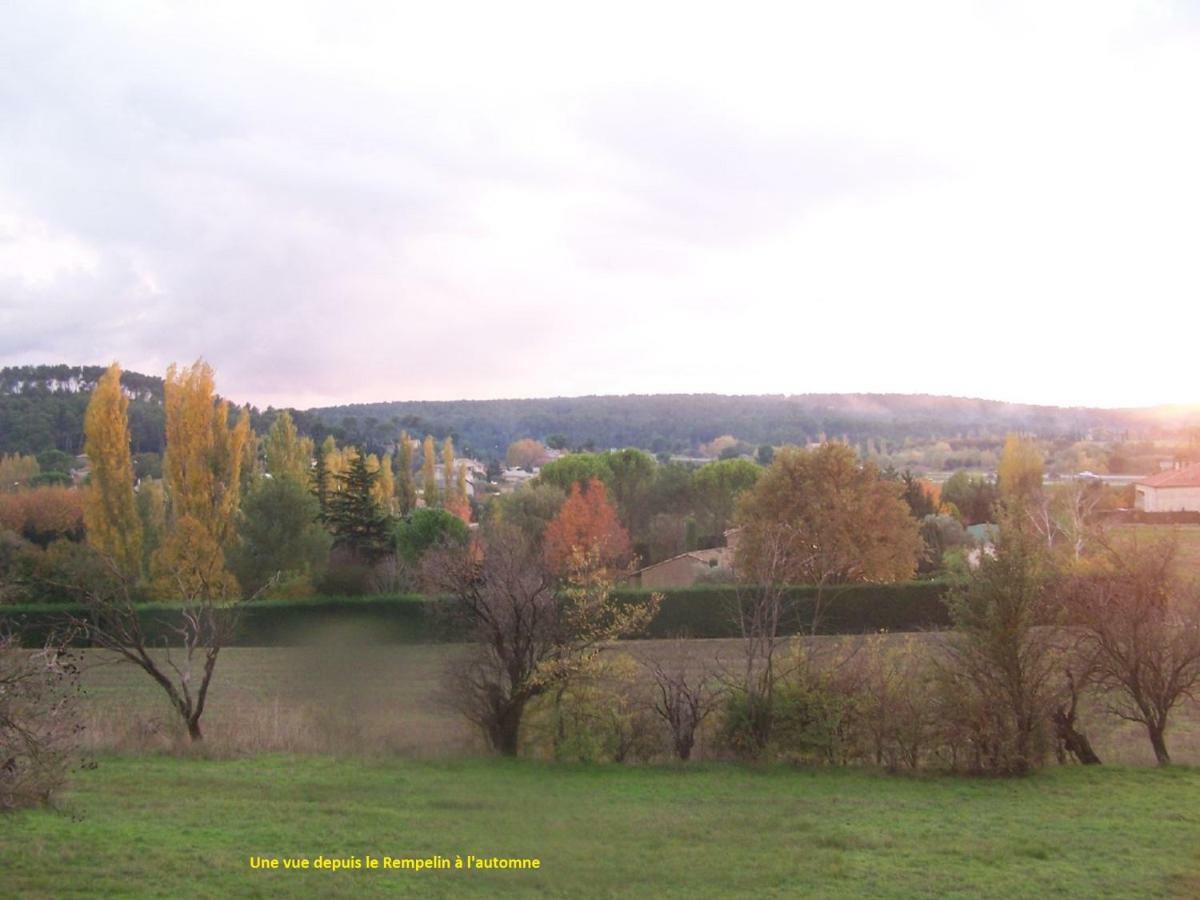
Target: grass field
[(1188, 537), (188, 827), (359, 699)]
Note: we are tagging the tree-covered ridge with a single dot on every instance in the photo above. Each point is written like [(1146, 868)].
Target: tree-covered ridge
[(680, 423), (41, 408), (64, 379)]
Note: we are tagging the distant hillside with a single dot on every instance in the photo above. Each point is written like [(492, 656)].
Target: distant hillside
[(42, 407), (679, 423)]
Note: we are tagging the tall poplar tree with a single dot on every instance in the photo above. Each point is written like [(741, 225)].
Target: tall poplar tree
[(288, 454), (448, 498), (1019, 474), (387, 485), (429, 472), (202, 470), (319, 485), (456, 501), (460, 484), (110, 510), (406, 489)]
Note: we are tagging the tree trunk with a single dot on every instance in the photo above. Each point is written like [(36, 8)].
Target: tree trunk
[(504, 729), (1159, 743), (683, 746), (193, 727), (1071, 740)]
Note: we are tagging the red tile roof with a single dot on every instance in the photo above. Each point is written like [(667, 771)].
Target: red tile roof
[(1186, 477)]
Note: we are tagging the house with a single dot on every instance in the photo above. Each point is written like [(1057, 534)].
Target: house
[(512, 478), (683, 570), (686, 569), (1174, 490), (983, 539)]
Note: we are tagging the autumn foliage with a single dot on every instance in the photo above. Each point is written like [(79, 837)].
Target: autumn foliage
[(202, 469), (113, 525), (526, 454), (933, 491), (43, 514), (586, 526)]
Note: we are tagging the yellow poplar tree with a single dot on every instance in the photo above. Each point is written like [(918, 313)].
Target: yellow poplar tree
[(460, 484), (429, 472), (288, 454), (456, 497), (448, 472), (202, 469), (386, 485), (110, 511), (406, 490), (1019, 474), (384, 488)]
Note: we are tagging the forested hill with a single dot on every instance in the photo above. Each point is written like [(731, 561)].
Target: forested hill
[(41, 407), (681, 422)]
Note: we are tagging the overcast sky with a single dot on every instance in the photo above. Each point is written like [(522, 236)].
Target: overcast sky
[(441, 200)]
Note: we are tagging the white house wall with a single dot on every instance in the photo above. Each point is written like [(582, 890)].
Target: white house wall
[(1169, 499)]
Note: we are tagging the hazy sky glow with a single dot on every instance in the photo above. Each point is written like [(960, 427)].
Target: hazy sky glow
[(370, 202)]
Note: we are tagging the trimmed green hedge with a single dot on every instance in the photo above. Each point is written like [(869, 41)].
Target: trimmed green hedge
[(395, 619), (711, 612), (700, 612)]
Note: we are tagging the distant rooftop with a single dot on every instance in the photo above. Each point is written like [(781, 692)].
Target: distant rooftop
[(1189, 476)]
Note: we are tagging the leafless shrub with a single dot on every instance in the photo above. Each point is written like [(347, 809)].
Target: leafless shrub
[(897, 706), (761, 595), (39, 722), (684, 694)]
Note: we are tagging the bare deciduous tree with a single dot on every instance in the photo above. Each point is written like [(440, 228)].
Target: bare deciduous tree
[(684, 694), (38, 720), (531, 631), (1069, 739), (1140, 633), (206, 623), (761, 596)]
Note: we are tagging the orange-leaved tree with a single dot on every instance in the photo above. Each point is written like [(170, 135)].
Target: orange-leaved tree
[(586, 527), (43, 514)]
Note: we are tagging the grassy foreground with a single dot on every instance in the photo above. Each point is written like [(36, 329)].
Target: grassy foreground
[(187, 827)]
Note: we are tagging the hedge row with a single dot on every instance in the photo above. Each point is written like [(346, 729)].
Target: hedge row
[(711, 612), (702, 612)]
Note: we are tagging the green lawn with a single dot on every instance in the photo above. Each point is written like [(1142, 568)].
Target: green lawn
[(187, 827)]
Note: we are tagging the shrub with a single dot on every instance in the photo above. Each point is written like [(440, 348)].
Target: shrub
[(812, 707), (897, 721), (38, 722), (43, 514), (599, 716)]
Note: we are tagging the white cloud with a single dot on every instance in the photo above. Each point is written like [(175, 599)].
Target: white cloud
[(377, 201)]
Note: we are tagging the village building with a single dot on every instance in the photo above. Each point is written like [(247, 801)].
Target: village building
[(1175, 490), (687, 569)]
